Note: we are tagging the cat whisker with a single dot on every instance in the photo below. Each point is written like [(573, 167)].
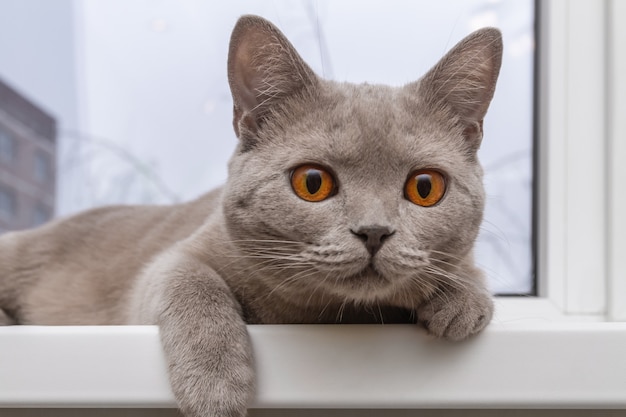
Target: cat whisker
[(339, 318), (448, 255), (293, 258), (292, 278), (447, 278), (380, 312), (434, 290), (272, 241), (319, 317), (271, 264), (490, 272), (317, 287), (419, 283)]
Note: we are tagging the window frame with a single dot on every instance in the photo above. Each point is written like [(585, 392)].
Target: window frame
[(616, 152), (578, 239)]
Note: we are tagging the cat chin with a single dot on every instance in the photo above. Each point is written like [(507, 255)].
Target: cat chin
[(367, 285)]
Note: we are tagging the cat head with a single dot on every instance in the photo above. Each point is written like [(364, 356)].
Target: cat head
[(361, 191)]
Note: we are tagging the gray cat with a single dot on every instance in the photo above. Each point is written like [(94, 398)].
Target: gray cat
[(344, 204)]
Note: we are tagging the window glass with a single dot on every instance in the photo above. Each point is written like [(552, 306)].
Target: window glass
[(7, 203), (42, 167), (7, 146), (144, 110), (40, 215)]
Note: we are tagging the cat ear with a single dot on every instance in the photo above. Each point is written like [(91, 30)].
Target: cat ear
[(263, 69), (464, 80)]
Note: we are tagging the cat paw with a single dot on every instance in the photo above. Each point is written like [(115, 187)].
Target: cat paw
[(219, 401), (204, 392), (455, 315), (211, 379)]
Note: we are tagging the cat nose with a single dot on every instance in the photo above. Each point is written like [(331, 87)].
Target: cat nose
[(373, 236)]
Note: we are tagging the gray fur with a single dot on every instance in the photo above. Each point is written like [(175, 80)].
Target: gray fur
[(253, 252)]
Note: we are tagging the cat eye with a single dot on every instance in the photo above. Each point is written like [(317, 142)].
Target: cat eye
[(425, 187), (312, 183)]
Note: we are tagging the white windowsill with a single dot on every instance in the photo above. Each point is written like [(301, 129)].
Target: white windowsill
[(515, 363)]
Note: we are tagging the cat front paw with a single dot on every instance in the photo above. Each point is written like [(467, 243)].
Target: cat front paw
[(220, 399), (211, 380), (455, 315)]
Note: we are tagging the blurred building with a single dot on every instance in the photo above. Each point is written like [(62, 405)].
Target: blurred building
[(27, 162)]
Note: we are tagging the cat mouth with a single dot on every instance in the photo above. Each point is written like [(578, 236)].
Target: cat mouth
[(368, 275)]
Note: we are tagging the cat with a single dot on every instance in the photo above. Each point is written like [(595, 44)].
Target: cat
[(344, 204)]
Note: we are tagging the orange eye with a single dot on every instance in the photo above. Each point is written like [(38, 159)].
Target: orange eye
[(425, 187), (312, 183)]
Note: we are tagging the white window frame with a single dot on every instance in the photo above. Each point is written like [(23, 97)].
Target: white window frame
[(581, 235), (561, 349), (616, 163)]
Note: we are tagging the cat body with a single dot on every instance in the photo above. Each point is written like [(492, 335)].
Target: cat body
[(344, 204)]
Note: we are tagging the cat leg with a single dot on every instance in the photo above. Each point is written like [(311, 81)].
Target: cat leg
[(457, 311), (203, 335)]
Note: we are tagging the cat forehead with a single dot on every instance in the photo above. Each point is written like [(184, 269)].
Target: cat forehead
[(373, 124)]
